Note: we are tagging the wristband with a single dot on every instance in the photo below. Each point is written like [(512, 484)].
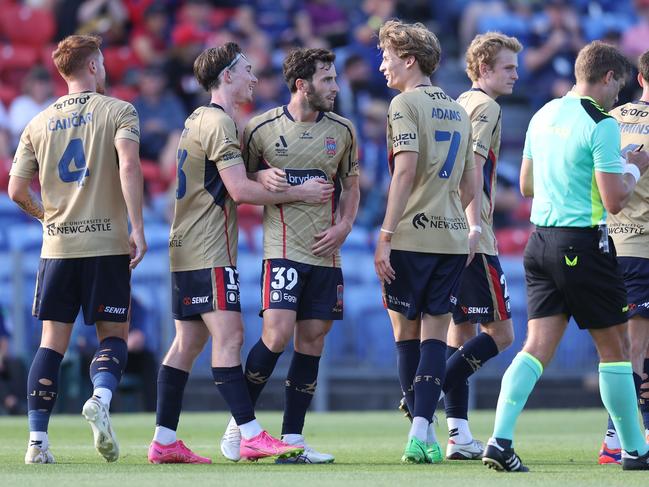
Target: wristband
[(475, 228), (633, 170), (389, 232)]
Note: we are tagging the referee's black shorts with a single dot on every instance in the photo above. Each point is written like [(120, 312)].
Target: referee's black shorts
[(565, 273)]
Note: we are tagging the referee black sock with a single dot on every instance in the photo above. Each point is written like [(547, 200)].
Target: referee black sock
[(429, 378), (459, 367), (407, 363), (171, 387), (42, 387), (232, 385), (259, 367), (301, 383)]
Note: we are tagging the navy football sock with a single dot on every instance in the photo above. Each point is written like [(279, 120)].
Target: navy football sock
[(171, 387), (42, 387), (429, 378), (301, 384), (259, 367), (232, 385), (459, 367), (407, 363), (108, 364)]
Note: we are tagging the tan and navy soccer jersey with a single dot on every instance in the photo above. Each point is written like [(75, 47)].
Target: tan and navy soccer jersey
[(630, 227), (485, 116), (429, 122), (204, 229), (323, 149), (71, 144)]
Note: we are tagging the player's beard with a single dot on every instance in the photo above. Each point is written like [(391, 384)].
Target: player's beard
[(318, 103)]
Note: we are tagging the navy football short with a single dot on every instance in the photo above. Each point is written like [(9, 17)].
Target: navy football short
[(565, 273), (483, 296), (100, 286), (314, 292), (635, 271), (204, 290), (424, 284)]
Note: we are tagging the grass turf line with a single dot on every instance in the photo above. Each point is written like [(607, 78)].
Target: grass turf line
[(559, 446)]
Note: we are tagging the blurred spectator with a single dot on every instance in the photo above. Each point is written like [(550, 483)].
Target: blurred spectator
[(357, 88), (104, 17), (635, 40), (550, 58), (375, 176), (328, 21), (149, 40), (188, 42), (270, 90), (38, 94), (6, 151), (472, 13), (13, 378), (278, 19), (141, 360), (162, 117)]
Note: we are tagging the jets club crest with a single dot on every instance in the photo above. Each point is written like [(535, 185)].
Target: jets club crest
[(330, 146)]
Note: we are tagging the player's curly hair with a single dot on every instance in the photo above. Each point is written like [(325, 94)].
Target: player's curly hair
[(485, 48), (212, 61), (73, 52), (598, 58), (412, 40), (302, 64)]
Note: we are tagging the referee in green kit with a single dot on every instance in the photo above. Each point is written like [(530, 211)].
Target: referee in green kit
[(573, 168)]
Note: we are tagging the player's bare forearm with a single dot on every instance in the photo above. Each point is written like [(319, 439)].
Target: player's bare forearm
[(349, 201), (468, 187), (32, 206), (526, 181), (474, 208), (131, 180), (25, 198)]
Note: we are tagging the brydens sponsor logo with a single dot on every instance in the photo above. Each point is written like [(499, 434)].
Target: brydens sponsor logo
[(295, 177)]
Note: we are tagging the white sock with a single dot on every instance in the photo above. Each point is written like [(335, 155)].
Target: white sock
[(104, 395), (458, 431), (612, 440), (250, 429), (164, 436), (431, 437), (419, 428), (38, 438), (293, 439)]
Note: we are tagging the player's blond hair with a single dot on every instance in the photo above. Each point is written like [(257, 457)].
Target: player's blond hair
[(412, 40), (598, 58), (73, 52), (485, 48)]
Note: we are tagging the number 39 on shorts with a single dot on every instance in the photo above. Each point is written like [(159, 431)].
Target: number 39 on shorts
[(283, 278)]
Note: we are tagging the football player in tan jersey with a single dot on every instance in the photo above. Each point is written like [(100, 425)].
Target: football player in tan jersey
[(423, 244), (84, 148), (482, 297), (302, 282), (211, 180), (629, 230)]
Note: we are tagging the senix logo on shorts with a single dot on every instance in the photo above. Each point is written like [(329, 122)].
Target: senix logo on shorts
[(188, 301), (295, 177), (113, 310)]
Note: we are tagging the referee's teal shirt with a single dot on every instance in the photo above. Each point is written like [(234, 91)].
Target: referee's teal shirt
[(568, 140)]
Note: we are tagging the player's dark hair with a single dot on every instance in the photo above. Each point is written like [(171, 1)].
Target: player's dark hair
[(302, 64), (598, 58), (73, 52), (643, 66), (212, 61)]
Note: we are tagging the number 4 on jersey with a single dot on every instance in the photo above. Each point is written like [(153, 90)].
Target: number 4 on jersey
[(73, 153)]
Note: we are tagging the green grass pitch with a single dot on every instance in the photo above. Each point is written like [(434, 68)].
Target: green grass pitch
[(560, 447)]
